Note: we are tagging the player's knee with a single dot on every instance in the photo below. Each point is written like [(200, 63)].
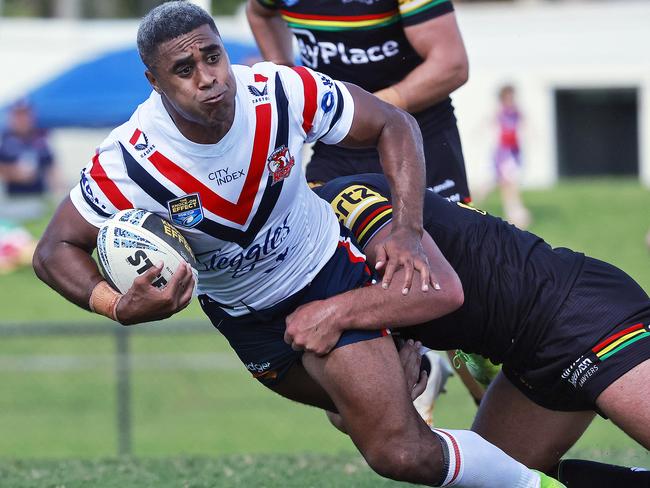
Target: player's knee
[(404, 461)]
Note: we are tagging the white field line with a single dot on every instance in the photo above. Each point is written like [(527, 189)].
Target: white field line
[(86, 362)]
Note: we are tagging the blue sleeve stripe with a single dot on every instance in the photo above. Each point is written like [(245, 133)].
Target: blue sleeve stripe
[(92, 204), (339, 110)]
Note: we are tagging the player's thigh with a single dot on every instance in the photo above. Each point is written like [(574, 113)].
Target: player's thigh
[(626, 403), (532, 434), (366, 383), (299, 386)]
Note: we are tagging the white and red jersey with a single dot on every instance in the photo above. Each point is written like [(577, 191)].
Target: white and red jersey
[(258, 232)]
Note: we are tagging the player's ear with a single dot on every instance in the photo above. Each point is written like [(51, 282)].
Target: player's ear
[(151, 78)]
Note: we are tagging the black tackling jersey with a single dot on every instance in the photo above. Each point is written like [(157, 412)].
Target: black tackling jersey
[(513, 281)]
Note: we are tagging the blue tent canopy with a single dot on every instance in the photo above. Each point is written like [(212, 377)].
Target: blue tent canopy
[(105, 91)]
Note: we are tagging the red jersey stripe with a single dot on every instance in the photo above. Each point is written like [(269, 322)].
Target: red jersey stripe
[(353, 258), (107, 186), (310, 90), (235, 212)]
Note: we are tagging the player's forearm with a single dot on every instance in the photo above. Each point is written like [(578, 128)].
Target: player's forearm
[(63, 256), (67, 269), (373, 307), (429, 83), (402, 159), (272, 35)]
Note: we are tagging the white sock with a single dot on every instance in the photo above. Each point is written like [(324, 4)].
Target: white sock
[(472, 462)]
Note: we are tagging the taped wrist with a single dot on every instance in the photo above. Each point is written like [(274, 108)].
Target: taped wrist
[(104, 300)]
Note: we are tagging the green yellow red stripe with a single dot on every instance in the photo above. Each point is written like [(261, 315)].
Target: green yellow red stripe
[(340, 18), (620, 340), (370, 219), (637, 338), (340, 22), (611, 339), (371, 224)]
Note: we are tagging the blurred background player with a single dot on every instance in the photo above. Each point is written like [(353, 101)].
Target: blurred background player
[(507, 159), (408, 53)]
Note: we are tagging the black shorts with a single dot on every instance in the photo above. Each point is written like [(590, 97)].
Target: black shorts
[(258, 337), (443, 154), (601, 331)]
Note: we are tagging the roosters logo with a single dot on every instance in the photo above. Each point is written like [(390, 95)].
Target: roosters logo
[(280, 163)]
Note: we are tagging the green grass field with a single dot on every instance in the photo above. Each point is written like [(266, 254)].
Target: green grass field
[(202, 420)]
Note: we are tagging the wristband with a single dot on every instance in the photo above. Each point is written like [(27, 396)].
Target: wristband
[(392, 96), (104, 300)]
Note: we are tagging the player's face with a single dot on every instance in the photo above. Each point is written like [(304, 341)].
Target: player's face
[(193, 75), (508, 98), (22, 121)]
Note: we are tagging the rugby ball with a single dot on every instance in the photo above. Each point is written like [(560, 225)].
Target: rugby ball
[(134, 240)]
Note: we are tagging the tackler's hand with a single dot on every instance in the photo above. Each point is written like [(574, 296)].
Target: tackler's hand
[(403, 248), (410, 357), (312, 328)]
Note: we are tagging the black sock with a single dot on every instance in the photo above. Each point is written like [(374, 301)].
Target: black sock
[(577, 473)]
